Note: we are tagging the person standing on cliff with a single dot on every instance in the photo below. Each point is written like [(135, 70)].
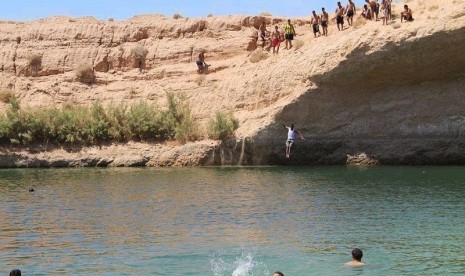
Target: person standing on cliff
[(202, 66), (324, 21), (275, 40), (291, 133), (289, 32), (350, 12), (315, 23), (340, 16), (263, 32)]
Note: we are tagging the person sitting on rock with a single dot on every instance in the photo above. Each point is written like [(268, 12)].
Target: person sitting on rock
[(406, 15), (374, 8), (202, 66), (367, 13), (291, 138)]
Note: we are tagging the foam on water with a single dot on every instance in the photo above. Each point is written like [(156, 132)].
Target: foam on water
[(240, 262)]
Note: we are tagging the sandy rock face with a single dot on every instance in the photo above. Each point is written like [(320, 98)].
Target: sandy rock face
[(393, 93)]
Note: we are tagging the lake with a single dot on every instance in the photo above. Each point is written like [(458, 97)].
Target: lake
[(233, 221)]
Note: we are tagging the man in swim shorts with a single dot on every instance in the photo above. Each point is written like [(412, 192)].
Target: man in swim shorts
[(350, 12), (324, 21), (289, 32), (315, 23), (202, 66), (406, 15), (340, 16), (263, 32), (374, 8), (291, 138), (275, 43), (357, 255)]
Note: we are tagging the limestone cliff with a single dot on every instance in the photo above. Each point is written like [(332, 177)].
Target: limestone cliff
[(393, 94)]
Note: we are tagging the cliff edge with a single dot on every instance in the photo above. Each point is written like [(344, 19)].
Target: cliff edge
[(369, 94)]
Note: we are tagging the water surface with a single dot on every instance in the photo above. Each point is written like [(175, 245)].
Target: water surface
[(233, 221)]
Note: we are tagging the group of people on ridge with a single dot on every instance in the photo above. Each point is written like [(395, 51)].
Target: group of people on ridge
[(372, 10)]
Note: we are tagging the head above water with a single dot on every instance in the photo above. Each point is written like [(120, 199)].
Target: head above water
[(357, 254), (292, 126), (278, 273), (15, 272)]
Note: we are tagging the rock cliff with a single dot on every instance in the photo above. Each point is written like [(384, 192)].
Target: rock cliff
[(371, 93)]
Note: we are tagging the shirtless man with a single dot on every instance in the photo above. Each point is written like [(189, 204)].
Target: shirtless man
[(340, 16), (315, 23), (406, 15), (202, 66), (275, 40), (350, 12), (367, 13), (324, 21), (263, 32), (373, 4), (357, 255)]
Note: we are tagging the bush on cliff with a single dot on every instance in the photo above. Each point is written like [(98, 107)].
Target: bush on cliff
[(222, 126), (85, 72), (90, 125)]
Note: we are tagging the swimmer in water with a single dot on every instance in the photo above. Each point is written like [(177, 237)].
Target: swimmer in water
[(357, 255), (278, 273)]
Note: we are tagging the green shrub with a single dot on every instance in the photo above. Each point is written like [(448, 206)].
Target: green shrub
[(96, 124), (222, 126)]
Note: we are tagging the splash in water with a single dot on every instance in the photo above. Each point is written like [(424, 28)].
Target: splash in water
[(240, 262)]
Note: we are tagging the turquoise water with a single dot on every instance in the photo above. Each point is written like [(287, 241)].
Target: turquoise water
[(233, 221)]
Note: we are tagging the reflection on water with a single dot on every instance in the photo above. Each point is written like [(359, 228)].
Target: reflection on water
[(232, 221)]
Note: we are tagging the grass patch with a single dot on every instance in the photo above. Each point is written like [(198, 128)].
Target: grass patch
[(222, 126), (177, 16), (7, 96), (34, 62), (359, 22), (85, 72), (258, 55), (266, 14), (298, 44), (95, 124), (139, 53)]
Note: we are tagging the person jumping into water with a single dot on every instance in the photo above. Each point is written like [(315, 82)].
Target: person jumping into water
[(291, 138)]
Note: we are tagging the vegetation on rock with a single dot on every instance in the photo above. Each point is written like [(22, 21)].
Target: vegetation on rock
[(90, 125)]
